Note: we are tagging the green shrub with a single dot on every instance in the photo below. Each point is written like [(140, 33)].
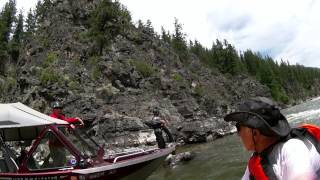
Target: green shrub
[(142, 67), (44, 41), (74, 85), (199, 90), (284, 98), (48, 75), (10, 83), (50, 59), (177, 77), (96, 73), (76, 62), (93, 62)]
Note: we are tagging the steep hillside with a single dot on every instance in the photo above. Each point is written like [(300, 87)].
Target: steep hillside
[(113, 82)]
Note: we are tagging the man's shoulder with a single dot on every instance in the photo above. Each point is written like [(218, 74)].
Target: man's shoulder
[(294, 142), (52, 115), (156, 118), (293, 145)]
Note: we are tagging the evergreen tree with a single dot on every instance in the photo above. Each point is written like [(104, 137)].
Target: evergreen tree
[(202, 52), (107, 21), (179, 39), (140, 24), (7, 17), (42, 9), (165, 36), (231, 61), (17, 38), (149, 28), (252, 62), (242, 64), (30, 26)]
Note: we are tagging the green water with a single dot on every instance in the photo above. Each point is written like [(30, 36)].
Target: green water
[(225, 158)]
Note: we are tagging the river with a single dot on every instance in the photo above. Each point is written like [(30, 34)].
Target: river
[(225, 158)]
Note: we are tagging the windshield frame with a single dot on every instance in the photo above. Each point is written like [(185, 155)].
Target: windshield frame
[(92, 145)]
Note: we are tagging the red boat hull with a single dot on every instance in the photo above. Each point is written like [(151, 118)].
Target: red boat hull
[(137, 167)]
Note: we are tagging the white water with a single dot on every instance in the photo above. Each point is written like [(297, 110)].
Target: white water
[(308, 112)]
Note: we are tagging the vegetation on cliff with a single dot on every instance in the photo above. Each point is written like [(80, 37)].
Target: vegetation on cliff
[(110, 19)]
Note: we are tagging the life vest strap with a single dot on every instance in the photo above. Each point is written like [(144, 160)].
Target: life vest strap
[(255, 168)]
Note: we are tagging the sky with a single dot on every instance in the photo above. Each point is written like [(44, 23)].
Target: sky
[(282, 29)]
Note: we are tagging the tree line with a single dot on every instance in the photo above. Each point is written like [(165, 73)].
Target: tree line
[(284, 80), (14, 30)]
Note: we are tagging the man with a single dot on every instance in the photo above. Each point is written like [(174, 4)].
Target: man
[(57, 113), (277, 153), (159, 124), (57, 149)]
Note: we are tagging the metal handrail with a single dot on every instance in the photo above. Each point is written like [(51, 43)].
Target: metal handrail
[(132, 151), (128, 155)]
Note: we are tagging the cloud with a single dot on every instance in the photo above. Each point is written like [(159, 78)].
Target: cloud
[(304, 47), (233, 22)]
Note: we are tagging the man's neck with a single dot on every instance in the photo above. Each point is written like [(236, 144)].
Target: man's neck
[(264, 143)]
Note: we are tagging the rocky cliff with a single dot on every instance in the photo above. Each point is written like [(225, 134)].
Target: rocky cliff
[(115, 90)]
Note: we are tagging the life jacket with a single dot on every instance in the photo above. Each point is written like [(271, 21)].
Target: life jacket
[(259, 165)]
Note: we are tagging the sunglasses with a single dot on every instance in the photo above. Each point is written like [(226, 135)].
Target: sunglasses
[(238, 127)]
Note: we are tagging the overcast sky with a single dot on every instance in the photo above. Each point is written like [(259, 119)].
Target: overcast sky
[(287, 29)]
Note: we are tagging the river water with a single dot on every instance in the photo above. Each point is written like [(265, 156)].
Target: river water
[(225, 158)]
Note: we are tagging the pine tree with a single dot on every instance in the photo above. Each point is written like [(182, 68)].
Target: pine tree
[(179, 39), (252, 62), (42, 9), (30, 26), (7, 17), (231, 61), (165, 35), (17, 38), (149, 28), (107, 21)]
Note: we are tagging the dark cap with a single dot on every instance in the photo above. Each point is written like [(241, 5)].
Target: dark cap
[(156, 111), (263, 114), (56, 105)]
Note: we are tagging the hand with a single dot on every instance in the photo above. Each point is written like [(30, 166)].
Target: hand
[(163, 122), (81, 121)]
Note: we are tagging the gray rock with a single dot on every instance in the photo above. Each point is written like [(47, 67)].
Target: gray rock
[(174, 160)]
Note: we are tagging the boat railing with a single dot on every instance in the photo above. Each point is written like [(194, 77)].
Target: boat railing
[(128, 152), (142, 151)]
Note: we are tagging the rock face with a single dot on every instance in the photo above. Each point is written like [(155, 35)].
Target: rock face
[(115, 92)]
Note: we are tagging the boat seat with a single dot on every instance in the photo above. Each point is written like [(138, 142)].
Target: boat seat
[(3, 166)]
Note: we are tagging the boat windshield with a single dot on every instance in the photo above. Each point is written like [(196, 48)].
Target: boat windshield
[(82, 141)]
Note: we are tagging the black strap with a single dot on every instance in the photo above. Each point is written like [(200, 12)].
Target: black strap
[(265, 162), (302, 133)]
